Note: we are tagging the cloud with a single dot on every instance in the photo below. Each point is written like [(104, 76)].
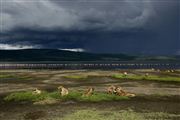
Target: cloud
[(74, 50), (15, 47), (113, 26), (69, 15), (178, 52), (35, 14)]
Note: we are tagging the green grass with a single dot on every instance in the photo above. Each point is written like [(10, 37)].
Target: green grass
[(73, 95), (16, 76), (96, 97), (93, 114), (7, 75), (76, 77), (150, 77), (26, 96)]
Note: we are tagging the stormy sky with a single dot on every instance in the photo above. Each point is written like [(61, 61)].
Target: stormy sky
[(98, 26)]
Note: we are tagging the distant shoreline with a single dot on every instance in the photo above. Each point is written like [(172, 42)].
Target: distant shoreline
[(90, 65)]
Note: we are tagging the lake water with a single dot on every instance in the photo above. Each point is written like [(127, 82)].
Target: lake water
[(90, 65)]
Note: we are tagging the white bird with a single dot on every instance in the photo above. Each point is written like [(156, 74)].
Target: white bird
[(125, 73), (36, 91)]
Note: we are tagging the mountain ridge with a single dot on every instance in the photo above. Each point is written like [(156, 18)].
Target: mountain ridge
[(63, 55)]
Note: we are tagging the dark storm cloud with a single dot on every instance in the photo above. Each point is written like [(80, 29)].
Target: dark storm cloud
[(108, 15), (141, 26)]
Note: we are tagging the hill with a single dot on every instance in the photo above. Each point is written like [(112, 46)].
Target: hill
[(61, 55), (57, 55)]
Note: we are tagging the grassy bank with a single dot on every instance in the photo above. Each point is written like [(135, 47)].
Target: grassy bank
[(74, 95), (149, 77)]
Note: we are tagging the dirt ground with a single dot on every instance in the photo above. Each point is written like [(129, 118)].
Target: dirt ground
[(49, 80)]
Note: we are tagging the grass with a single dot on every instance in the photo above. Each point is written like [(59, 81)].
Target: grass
[(5, 76), (97, 97), (74, 95), (17, 76), (75, 77), (150, 77), (26, 96), (93, 114)]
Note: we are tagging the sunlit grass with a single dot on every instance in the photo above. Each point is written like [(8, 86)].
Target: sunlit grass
[(94, 114), (149, 77), (96, 97), (76, 77)]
